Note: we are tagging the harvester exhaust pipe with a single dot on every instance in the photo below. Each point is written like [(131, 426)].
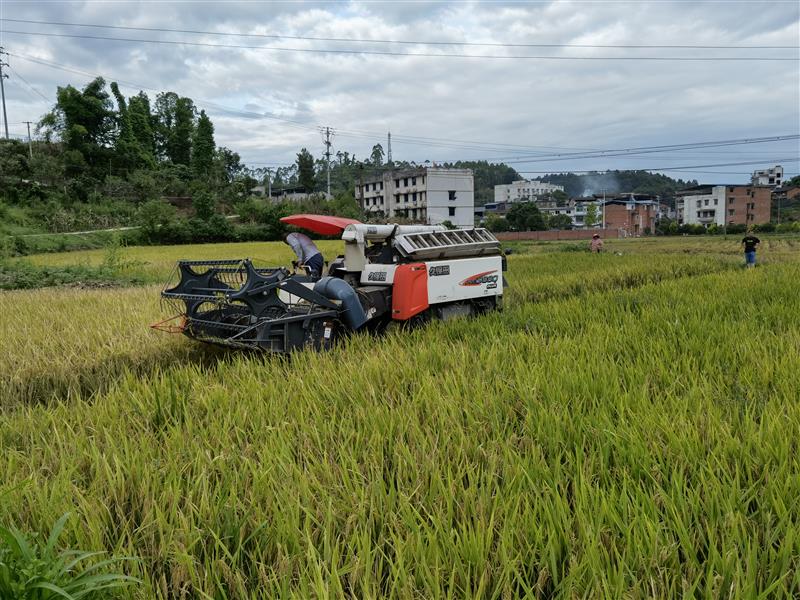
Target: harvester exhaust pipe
[(337, 289)]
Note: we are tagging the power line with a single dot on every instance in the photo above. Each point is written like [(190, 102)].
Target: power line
[(410, 54), (652, 149), (248, 114), (682, 168), (423, 141), (29, 86), (438, 142), (392, 41), (2, 88)]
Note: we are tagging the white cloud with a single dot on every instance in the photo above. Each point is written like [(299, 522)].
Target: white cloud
[(552, 103)]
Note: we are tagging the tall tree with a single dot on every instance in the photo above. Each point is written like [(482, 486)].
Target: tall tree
[(164, 118), (591, 215), (203, 147), (85, 122), (227, 164), (377, 155), (134, 143), (175, 116), (181, 138), (125, 146), (142, 124), (305, 170)]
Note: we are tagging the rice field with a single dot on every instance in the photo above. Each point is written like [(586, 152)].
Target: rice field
[(627, 427)]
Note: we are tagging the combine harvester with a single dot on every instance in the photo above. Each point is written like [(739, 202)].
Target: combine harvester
[(388, 273)]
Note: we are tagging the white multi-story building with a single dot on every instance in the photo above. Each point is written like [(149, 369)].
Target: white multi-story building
[(704, 208), (524, 190), (429, 194), (772, 177), (723, 205)]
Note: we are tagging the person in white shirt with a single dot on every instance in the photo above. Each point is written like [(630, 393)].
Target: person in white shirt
[(307, 252)]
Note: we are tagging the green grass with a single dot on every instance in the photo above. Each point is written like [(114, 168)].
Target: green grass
[(627, 427)]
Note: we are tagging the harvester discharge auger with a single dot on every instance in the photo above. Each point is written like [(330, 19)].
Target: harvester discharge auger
[(387, 273)]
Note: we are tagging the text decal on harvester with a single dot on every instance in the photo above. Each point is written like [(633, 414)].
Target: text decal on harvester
[(481, 278), (439, 270)]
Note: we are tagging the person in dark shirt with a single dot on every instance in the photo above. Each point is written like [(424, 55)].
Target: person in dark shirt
[(750, 243)]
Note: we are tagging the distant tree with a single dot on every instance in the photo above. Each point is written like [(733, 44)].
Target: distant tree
[(560, 198), (141, 121), (377, 155), (203, 147), (153, 216), (496, 223), (305, 170), (13, 160), (203, 204), (84, 121), (175, 118), (345, 205), (180, 142), (559, 222), (227, 164), (130, 153), (525, 216), (793, 181), (591, 215)]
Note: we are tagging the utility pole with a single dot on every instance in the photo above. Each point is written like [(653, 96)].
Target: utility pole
[(604, 209), (2, 89), (328, 157), (30, 144), (389, 149)]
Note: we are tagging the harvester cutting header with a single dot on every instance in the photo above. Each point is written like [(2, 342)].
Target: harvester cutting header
[(388, 273)]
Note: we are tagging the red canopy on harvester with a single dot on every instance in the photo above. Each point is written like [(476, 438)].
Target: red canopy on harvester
[(321, 224)]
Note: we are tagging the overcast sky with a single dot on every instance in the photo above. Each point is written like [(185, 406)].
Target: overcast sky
[(469, 108)]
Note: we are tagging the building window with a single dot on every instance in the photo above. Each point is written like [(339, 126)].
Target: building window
[(451, 211), (699, 204), (413, 181), (405, 181), (381, 186), (731, 212), (451, 195), (706, 202), (731, 199), (423, 180), (414, 196), (396, 183), (405, 197), (716, 201)]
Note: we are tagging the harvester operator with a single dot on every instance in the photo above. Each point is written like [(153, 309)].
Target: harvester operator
[(307, 253)]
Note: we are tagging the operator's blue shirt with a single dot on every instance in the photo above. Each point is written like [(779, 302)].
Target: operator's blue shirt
[(302, 246)]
